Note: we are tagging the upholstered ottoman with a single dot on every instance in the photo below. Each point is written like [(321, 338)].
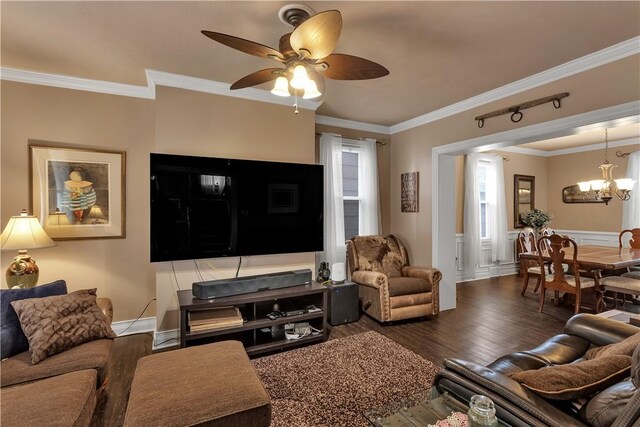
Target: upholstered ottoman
[(207, 385), (64, 400)]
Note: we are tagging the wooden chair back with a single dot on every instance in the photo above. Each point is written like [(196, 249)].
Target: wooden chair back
[(527, 243), (556, 245), (547, 231), (635, 238)]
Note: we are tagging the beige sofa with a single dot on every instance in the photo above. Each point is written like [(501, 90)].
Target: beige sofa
[(62, 390)]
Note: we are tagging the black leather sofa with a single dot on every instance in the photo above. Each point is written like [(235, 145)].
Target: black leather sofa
[(519, 406)]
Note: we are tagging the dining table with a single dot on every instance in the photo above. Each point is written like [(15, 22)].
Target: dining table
[(593, 257)]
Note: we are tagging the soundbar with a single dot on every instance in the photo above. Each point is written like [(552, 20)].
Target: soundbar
[(243, 285)]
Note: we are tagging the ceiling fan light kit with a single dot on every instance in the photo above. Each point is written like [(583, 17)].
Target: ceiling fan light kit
[(305, 53)]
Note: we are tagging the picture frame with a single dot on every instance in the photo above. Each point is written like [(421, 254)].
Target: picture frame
[(409, 195), (524, 197), (572, 194), (78, 193)]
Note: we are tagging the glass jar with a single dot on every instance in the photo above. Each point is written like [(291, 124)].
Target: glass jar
[(482, 412)]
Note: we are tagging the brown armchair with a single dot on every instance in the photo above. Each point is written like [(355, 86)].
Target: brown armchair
[(391, 289)]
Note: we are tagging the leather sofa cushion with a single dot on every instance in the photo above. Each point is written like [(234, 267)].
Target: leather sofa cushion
[(13, 339), (64, 400), (58, 323), (407, 286), (624, 347), (573, 380), (92, 355), (604, 407)]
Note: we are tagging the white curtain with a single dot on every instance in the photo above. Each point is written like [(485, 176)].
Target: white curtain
[(334, 241), (368, 178), (631, 208), (496, 216)]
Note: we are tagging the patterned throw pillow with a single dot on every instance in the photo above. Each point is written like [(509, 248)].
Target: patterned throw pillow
[(12, 338), (57, 323)]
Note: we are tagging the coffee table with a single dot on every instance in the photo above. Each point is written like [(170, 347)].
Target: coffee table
[(420, 409)]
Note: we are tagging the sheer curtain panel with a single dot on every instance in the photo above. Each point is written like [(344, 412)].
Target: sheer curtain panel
[(334, 240), (493, 219), (369, 200)]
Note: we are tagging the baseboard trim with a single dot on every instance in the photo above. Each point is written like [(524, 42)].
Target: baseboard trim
[(165, 339), (129, 327)]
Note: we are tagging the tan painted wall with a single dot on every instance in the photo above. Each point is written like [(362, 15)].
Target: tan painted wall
[(384, 152), (520, 164), (411, 149), (119, 268), (569, 169), (210, 125), (178, 121)]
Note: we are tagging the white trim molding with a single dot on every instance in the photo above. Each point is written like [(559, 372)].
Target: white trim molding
[(579, 65), (128, 327), (76, 83), (161, 339), (154, 78), (572, 150), (351, 124), (164, 339), (584, 63)]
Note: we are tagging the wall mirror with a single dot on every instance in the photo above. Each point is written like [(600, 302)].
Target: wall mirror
[(524, 192)]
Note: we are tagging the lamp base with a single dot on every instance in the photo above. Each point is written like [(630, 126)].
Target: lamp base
[(22, 272)]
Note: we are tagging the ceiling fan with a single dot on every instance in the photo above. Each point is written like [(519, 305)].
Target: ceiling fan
[(305, 54)]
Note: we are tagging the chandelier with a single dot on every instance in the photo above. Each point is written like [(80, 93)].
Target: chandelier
[(604, 189)]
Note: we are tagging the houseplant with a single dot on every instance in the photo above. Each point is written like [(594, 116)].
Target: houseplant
[(536, 219)]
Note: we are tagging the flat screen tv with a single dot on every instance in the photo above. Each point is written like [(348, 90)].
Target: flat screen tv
[(205, 207)]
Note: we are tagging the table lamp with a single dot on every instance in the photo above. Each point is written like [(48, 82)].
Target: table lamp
[(23, 232)]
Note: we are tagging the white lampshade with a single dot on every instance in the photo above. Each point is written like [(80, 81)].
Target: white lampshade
[(24, 232), (300, 79), (584, 186), (281, 87), (596, 184), (625, 184), (311, 90)]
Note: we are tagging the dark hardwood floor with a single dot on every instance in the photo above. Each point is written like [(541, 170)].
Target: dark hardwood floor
[(491, 319)]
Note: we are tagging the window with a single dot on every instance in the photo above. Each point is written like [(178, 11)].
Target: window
[(351, 191), (482, 197)]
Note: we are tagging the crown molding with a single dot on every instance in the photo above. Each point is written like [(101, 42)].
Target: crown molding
[(614, 116), (351, 124), (587, 62), (154, 78), (579, 65), (76, 83), (572, 150), (180, 81)]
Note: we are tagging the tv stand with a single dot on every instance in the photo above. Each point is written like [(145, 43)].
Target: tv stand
[(259, 333)]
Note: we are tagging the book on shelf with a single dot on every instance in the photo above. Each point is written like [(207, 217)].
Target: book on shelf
[(214, 318)]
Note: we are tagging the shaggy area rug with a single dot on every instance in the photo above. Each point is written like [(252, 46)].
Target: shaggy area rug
[(332, 383)]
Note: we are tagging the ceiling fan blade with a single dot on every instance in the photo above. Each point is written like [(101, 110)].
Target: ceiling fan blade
[(318, 36), (246, 46), (257, 78), (349, 67)]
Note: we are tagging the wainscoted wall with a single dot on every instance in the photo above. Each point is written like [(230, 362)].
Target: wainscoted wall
[(487, 268)]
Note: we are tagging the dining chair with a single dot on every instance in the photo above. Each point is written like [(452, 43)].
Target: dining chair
[(634, 241), (530, 268), (559, 280), (627, 283)]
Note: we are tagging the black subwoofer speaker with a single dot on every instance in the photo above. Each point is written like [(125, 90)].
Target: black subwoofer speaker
[(343, 303)]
